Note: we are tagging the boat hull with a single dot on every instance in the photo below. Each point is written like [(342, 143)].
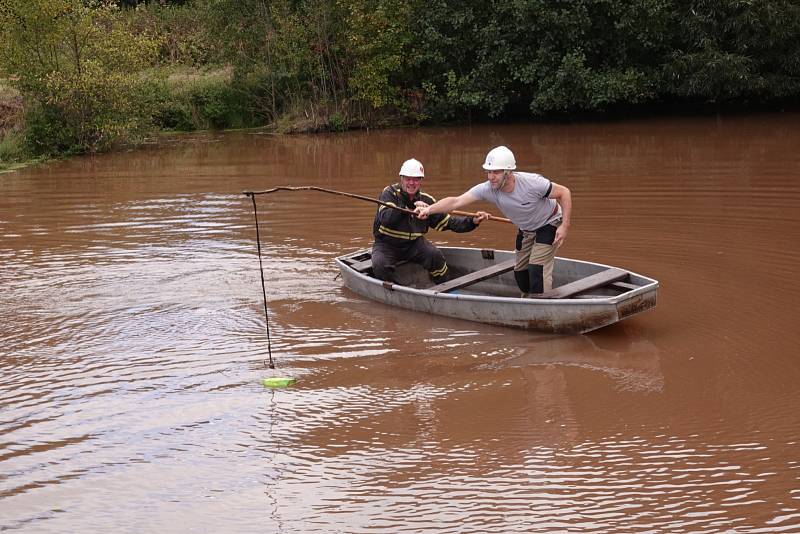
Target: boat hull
[(496, 301)]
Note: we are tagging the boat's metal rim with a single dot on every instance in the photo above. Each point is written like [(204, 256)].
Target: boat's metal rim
[(653, 284)]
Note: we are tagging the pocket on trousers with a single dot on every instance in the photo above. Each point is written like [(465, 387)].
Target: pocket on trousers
[(546, 235)]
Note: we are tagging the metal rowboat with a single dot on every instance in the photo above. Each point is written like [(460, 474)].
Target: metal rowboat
[(585, 295)]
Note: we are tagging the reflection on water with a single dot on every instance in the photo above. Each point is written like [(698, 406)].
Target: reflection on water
[(132, 342)]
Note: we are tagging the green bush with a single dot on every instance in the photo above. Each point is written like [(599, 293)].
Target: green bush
[(77, 69), (201, 101), (220, 105)]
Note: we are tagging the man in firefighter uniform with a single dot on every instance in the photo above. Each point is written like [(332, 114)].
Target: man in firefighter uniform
[(400, 236)]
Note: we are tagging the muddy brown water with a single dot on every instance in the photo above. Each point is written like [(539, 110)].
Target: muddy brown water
[(132, 342)]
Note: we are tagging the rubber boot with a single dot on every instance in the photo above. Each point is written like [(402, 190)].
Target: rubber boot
[(523, 282)]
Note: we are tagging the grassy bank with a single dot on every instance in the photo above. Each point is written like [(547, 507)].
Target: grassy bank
[(12, 152), (178, 99), (185, 98)]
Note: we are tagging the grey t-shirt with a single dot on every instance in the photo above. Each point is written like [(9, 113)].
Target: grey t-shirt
[(527, 205)]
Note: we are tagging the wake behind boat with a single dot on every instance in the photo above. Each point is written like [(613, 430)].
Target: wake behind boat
[(585, 295)]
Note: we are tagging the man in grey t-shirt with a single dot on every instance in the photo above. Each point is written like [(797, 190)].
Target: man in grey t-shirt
[(541, 209)]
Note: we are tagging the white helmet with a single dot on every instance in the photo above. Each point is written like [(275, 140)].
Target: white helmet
[(412, 167), (500, 158)]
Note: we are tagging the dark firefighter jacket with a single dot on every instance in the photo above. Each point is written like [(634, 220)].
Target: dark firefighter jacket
[(399, 228)]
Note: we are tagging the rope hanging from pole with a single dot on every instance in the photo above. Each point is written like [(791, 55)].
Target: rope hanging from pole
[(263, 284)]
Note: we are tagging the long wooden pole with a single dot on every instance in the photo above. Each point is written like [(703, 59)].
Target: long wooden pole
[(360, 197)]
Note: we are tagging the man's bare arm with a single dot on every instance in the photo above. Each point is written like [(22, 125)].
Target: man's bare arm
[(445, 205), (563, 196)]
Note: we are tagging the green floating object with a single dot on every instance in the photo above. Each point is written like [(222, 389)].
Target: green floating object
[(278, 381)]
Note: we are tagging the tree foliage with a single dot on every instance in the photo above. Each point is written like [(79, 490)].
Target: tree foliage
[(285, 54), (735, 50), (379, 39), (344, 63), (78, 71), (593, 55)]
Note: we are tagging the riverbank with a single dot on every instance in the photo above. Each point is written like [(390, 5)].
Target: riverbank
[(180, 98), (308, 67)]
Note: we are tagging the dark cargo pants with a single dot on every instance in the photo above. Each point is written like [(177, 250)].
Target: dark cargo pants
[(386, 257)]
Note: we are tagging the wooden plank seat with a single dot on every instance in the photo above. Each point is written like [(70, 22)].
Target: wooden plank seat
[(624, 286), (474, 277), (594, 281), (362, 266), (612, 276)]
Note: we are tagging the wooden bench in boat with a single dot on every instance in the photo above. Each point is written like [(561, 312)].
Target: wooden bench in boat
[(362, 266), (613, 277), (474, 277), (593, 281), (624, 286), (609, 276)]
